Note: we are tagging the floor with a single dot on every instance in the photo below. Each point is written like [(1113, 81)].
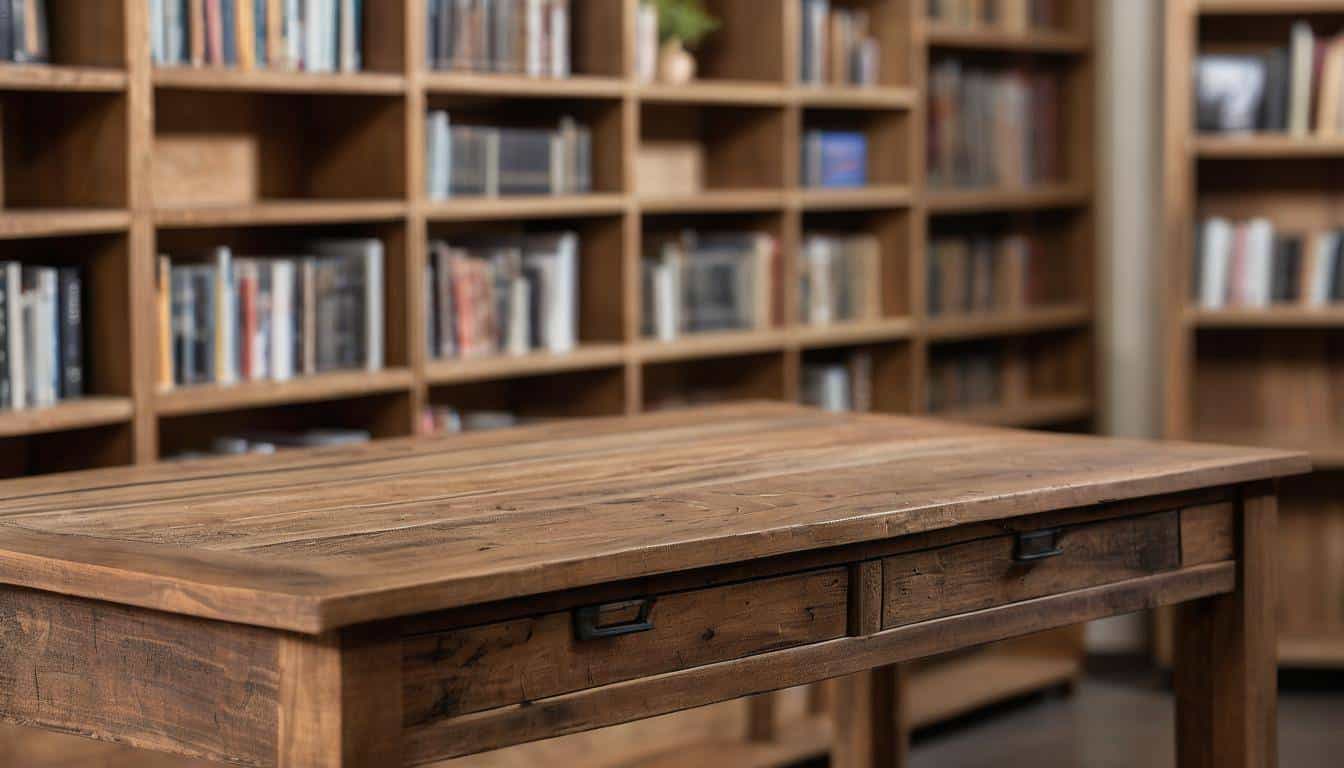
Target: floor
[(1112, 722)]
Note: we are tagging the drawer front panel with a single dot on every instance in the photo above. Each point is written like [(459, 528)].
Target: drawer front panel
[(987, 572), (477, 668)]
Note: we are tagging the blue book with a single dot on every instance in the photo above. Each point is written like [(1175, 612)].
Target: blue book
[(229, 23), (837, 159)]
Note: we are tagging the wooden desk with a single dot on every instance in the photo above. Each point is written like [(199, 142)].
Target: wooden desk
[(418, 600)]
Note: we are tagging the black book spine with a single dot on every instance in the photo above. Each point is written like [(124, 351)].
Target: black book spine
[(71, 290), (6, 31), (1336, 273)]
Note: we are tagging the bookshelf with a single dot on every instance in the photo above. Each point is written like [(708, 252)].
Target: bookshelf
[(185, 158), (1257, 375)]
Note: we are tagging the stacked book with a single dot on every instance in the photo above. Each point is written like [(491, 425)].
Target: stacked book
[(834, 159), (506, 295), (480, 161), (519, 37), (225, 319), (993, 127), (701, 282), (1250, 264), (41, 335), (837, 45), (23, 31), (308, 35), (1009, 15), (1296, 89), (445, 419), (968, 379), (838, 279), (840, 386), (985, 274)]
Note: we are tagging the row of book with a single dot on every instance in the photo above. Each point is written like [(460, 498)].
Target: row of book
[(23, 31), (839, 279), (269, 442), (845, 385), (700, 282), (987, 274), (967, 379), (446, 419), (41, 335), (520, 37), (1296, 89), (837, 45), (307, 35), (504, 295), (993, 127), (476, 161), (834, 159), (1250, 264), (1009, 15), (225, 319)]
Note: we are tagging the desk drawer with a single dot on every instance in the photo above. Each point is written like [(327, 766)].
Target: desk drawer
[(1021, 566), (477, 668)]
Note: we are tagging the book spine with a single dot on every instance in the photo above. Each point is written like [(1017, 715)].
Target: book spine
[(6, 31), (18, 353), (6, 388), (71, 334)]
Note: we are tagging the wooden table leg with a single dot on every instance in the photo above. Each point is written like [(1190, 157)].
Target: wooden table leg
[(1226, 660), (870, 729)]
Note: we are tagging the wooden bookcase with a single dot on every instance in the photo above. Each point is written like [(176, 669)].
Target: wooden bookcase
[(1258, 376), (109, 161)]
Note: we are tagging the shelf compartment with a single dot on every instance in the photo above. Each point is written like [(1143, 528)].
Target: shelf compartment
[(276, 81), (878, 374), (685, 151), (94, 411), (968, 201), (748, 45), (538, 395), (382, 407), (888, 137), (336, 385), (19, 224), (88, 441), (586, 357), (892, 231), (242, 150), (36, 77), (742, 375), (63, 151), (1045, 41)]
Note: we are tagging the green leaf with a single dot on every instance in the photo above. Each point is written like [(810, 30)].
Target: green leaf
[(684, 20)]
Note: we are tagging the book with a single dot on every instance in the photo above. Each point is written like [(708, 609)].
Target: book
[(1302, 49), (839, 279), (834, 159), (835, 46), (309, 35), (697, 282), (485, 161), (70, 333), (1254, 264), (527, 37)]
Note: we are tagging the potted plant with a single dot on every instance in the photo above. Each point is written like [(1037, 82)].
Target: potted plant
[(682, 24)]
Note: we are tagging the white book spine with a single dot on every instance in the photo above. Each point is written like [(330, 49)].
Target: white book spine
[(18, 372), (559, 38), (1303, 69), (1216, 259), (282, 320), (373, 305), (664, 302), (349, 45), (1259, 272), (1318, 290), (534, 18), (646, 43), (47, 317), (226, 317), (520, 316), (312, 35)]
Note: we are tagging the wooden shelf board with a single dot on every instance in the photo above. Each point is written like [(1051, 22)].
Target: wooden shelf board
[(855, 198), (53, 222), (990, 39), (1007, 199), (476, 84), (1267, 146), (529, 207), (94, 411), (1325, 652), (729, 92), (1032, 413), (707, 345), (338, 385), (42, 77), (280, 212), (1273, 317), (716, 201), (947, 328), (276, 81), (1270, 7), (586, 357), (855, 97), (859, 332)]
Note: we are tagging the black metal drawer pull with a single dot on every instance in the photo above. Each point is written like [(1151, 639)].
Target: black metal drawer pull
[(588, 626), (1037, 545)]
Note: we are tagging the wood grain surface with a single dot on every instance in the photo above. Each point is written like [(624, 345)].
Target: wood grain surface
[(329, 539)]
